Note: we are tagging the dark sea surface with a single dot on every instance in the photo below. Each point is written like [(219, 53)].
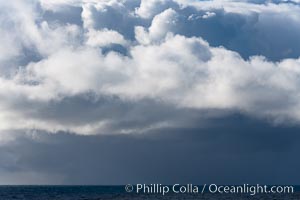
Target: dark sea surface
[(117, 193)]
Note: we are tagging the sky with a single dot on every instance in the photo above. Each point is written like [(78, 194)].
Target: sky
[(149, 91)]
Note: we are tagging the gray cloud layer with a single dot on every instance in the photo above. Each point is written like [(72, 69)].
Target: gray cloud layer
[(235, 150)]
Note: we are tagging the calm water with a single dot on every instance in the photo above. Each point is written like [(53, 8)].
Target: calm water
[(111, 192)]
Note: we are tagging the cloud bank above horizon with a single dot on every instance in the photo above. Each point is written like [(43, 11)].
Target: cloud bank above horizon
[(109, 67)]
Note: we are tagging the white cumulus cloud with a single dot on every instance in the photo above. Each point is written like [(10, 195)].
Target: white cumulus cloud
[(136, 51)]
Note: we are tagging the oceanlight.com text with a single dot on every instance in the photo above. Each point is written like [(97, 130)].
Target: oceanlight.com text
[(208, 188)]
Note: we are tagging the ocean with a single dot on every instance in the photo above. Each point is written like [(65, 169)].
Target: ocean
[(118, 193)]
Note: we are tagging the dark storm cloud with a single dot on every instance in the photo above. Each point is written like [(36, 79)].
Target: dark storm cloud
[(234, 150)]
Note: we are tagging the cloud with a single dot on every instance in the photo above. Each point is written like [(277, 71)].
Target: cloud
[(149, 9), (178, 55), (162, 24), (154, 79), (197, 154), (105, 38)]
